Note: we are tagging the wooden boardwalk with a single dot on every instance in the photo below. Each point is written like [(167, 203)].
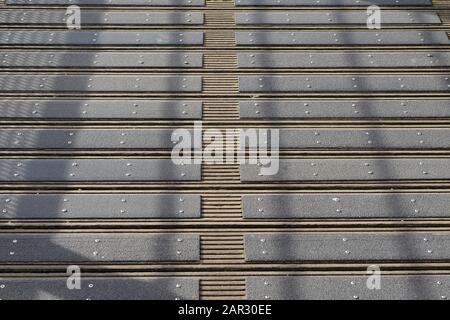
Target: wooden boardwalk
[(76, 213)]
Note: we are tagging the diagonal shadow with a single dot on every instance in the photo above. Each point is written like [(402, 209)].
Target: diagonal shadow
[(408, 245), (24, 171)]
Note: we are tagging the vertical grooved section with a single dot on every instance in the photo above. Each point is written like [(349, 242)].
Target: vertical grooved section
[(221, 206), (221, 249), (220, 111), (221, 173), (222, 19), (220, 84), (225, 288), (220, 39), (221, 60)]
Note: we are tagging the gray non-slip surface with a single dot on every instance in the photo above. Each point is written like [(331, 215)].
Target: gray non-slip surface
[(98, 206), (347, 247), (87, 138), (354, 138), (101, 109), (96, 170), (22, 59), (344, 83), (326, 2), (333, 17), (123, 288), (114, 2), (307, 109), (350, 170), (100, 83), (378, 38), (345, 205), (392, 287), (92, 38), (344, 60), (101, 17), (100, 247)]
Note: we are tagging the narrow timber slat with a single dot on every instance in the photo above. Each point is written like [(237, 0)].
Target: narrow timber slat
[(100, 83), (171, 3), (310, 109), (104, 288), (101, 109), (18, 59), (97, 206), (59, 17), (344, 205), (97, 38), (302, 38), (333, 17), (344, 60), (346, 170), (347, 247), (325, 2), (129, 169), (87, 138), (392, 287), (99, 247), (386, 139), (344, 83)]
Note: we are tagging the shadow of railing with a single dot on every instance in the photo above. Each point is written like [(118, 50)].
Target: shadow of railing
[(23, 85), (409, 245)]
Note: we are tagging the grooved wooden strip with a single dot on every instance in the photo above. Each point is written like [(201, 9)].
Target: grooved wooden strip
[(220, 4), (228, 249), (216, 207), (220, 61), (220, 85), (222, 19), (220, 39)]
